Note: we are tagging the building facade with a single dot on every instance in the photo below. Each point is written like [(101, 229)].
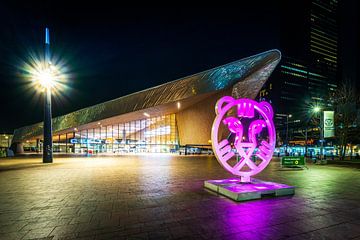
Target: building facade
[(323, 46), (309, 70), (5, 140), (159, 119)]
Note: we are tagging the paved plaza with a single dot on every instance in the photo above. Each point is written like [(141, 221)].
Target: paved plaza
[(162, 197)]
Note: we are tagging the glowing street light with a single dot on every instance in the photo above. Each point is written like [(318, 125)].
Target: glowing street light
[(49, 75), (287, 130), (317, 109), (46, 78)]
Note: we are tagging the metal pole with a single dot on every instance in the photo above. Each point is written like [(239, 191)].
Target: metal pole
[(66, 143), (47, 148), (321, 137), (306, 139), (287, 133)]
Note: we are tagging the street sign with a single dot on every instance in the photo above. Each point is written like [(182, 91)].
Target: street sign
[(293, 161)]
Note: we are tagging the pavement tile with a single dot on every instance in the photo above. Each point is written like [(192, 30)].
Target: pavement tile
[(38, 233), (162, 197), (14, 235)]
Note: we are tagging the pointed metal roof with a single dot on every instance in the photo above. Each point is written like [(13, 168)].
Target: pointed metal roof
[(246, 76)]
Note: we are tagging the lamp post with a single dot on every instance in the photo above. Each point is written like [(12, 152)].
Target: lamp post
[(47, 77), (8, 141), (317, 110), (287, 129)]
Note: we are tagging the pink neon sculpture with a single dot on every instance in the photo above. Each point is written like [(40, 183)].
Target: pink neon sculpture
[(236, 154)]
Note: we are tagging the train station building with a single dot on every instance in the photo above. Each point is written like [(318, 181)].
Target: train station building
[(155, 120)]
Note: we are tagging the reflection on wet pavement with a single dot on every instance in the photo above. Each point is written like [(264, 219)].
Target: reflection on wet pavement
[(162, 197)]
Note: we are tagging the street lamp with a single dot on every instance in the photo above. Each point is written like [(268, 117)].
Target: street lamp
[(317, 109), (8, 141), (46, 80), (45, 75), (287, 130), (48, 74)]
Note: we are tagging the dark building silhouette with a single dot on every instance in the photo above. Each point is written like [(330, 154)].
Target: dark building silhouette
[(309, 70)]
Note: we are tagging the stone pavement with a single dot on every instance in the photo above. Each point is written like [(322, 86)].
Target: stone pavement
[(162, 197)]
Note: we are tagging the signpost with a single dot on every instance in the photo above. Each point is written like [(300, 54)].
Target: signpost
[(292, 162)]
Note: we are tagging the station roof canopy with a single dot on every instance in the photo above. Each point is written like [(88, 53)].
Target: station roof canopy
[(246, 76)]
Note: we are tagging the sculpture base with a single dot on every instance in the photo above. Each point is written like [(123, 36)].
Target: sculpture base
[(234, 189)]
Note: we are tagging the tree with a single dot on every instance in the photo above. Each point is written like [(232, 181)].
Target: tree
[(345, 102)]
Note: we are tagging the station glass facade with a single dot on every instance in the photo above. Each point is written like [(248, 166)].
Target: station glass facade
[(154, 134)]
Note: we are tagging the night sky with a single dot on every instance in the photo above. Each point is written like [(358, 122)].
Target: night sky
[(112, 51)]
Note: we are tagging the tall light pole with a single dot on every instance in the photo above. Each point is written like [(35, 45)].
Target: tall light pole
[(318, 110), (287, 129), (47, 77), (8, 141), (47, 147)]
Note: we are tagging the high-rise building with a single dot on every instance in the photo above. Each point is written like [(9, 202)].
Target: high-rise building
[(323, 47), (308, 71)]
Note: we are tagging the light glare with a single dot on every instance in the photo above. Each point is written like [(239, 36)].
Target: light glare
[(41, 74), (45, 77)]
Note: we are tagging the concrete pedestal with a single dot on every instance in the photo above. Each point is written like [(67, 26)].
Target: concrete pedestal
[(238, 191)]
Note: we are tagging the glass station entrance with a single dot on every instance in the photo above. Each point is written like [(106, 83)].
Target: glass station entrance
[(154, 135), (157, 134)]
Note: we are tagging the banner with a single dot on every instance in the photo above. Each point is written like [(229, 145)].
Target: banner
[(329, 124)]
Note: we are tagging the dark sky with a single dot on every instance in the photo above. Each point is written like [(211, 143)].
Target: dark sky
[(112, 51)]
